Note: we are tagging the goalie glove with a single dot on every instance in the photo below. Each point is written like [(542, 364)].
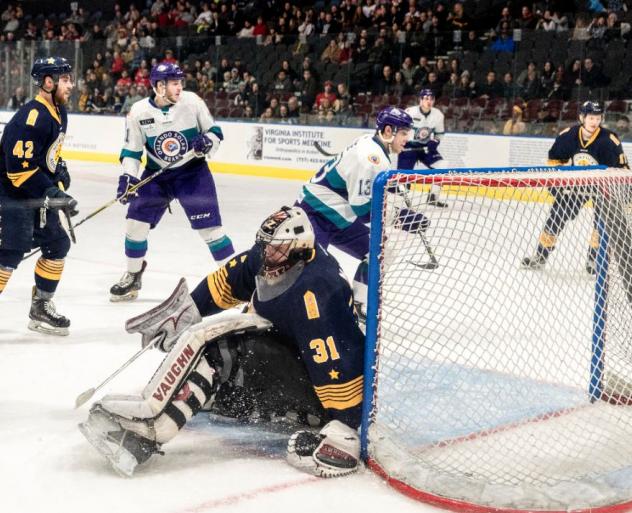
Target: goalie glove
[(333, 452)]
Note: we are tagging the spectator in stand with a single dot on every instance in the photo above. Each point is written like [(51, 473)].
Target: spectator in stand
[(622, 127), (467, 88), (142, 79), (613, 27), (256, 98), (458, 20), (545, 123), (504, 41), (282, 83), (472, 43), (267, 116), (205, 84), (275, 106), (515, 125), (432, 83), (422, 70), (247, 31), (385, 83), (557, 90), (331, 53), (527, 20), (522, 77), (547, 76), (510, 88), (408, 71), (547, 23), (505, 17), (342, 92), (591, 76), (130, 99), (491, 88), (17, 100), (597, 27), (260, 29), (531, 88), (450, 87), (561, 21), (580, 32), (308, 88), (248, 113), (400, 87), (326, 94), (346, 52), (361, 53), (293, 109)]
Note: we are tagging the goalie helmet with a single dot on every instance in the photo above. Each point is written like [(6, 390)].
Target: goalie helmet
[(285, 238), (52, 67), (394, 117), (163, 72)]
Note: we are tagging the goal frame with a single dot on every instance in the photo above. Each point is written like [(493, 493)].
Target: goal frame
[(594, 386)]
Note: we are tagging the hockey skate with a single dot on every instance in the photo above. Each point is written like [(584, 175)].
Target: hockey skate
[(534, 262), (45, 319), (591, 266), (123, 449), (167, 320), (434, 201), (128, 286)]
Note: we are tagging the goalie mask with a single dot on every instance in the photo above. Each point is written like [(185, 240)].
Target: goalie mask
[(285, 238)]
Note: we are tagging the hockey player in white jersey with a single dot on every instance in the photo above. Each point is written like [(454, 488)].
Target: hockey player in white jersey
[(338, 198), (166, 127), (421, 152)]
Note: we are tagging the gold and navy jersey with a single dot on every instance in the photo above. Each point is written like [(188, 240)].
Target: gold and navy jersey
[(603, 148), (316, 312), (30, 147)]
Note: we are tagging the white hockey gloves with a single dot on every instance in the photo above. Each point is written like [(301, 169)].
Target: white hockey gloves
[(333, 452), (167, 320)]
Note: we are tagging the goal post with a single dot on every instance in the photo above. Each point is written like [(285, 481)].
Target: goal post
[(490, 386)]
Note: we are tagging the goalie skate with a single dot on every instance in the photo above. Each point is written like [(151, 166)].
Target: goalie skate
[(123, 449), (167, 320), (128, 286)]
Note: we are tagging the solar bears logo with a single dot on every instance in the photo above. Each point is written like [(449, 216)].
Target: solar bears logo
[(170, 146)]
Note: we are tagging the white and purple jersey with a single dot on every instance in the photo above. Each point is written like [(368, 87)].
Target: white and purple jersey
[(341, 190), (165, 133), (428, 128)]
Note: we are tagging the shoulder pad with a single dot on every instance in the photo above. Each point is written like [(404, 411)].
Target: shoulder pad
[(32, 116), (614, 139)]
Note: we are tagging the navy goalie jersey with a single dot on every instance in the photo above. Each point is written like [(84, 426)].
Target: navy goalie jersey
[(316, 312)]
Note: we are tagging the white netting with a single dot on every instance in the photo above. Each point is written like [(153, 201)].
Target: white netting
[(484, 370)]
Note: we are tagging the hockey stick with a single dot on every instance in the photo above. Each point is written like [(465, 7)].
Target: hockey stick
[(127, 193), (85, 396), (434, 263)]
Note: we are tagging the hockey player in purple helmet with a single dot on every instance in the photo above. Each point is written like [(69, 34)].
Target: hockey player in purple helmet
[(421, 152), (338, 197), (172, 125)]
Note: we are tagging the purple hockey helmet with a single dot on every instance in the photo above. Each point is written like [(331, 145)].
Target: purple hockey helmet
[(394, 117), (426, 92), (165, 71)]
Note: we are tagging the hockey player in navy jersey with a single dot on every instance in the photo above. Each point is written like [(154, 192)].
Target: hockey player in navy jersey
[(421, 152), (585, 144), (165, 127), (33, 178), (303, 351)]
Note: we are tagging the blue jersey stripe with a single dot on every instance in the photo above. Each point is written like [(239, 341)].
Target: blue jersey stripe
[(326, 211)]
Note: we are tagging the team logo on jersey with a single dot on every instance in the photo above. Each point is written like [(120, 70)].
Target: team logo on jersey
[(170, 146), (423, 133), (374, 159), (54, 152), (584, 159)]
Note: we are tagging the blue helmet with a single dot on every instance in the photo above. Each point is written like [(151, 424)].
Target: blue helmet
[(49, 67), (426, 92), (165, 71), (394, 117), (590, 107)]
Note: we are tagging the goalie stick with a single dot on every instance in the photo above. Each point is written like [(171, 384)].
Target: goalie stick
[(131, 190), (434, 263)]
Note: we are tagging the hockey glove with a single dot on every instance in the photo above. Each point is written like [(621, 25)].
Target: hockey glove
[(56, 198), (62, 176), (208, 143), (123, 193), (333, 452), (411, 221)]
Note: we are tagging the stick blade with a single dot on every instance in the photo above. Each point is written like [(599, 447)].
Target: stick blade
[(84, 397), (431, 266)]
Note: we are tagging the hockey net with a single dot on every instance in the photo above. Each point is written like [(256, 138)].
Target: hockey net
[(490, 386)]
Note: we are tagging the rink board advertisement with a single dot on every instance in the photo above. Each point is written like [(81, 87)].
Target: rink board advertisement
[(288, 151)]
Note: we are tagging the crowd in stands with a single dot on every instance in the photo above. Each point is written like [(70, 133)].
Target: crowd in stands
[(526, 64)]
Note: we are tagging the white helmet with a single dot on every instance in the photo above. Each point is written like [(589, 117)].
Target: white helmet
[(290, 231)]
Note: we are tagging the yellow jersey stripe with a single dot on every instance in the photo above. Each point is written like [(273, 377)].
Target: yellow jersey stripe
[(330, 395), (342, 405), (340, 386), (553, 162), (53, 112), (20, 177), (221, 293)]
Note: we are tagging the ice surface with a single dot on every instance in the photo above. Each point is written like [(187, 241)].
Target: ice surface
[(46, 466)]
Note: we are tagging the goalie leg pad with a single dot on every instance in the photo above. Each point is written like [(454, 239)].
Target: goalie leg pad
[(333, 452), (167, 320)]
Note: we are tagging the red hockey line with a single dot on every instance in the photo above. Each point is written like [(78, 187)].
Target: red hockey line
[(246, 496)]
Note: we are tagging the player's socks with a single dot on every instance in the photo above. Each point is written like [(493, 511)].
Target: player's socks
[(591, 268), (5, 274), (44, 316), (128, 286)]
